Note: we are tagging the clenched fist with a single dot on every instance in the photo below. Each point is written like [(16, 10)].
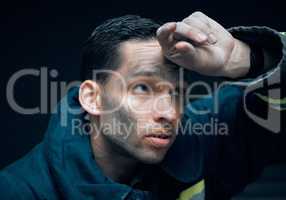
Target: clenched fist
[(200, 44)]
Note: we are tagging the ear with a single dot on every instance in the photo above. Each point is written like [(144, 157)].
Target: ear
[(90, 97)]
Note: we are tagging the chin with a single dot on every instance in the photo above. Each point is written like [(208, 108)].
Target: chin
[(152, 158)]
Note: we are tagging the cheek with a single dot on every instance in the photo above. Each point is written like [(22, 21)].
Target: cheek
[(139, 106), (141, 110)]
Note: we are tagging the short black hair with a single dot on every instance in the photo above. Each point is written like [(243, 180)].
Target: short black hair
[(101, 49)]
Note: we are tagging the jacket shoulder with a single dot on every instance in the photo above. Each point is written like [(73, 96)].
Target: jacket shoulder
[(28, 177)]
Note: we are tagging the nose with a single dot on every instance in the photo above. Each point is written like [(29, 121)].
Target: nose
[(164, 109)]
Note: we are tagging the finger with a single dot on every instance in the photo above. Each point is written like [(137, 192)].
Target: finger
[(180, 49), (190, 33), (213, 25), (201, 17), (185, 48), (203, 23), (164, 35), (184, 55), (197, 23)]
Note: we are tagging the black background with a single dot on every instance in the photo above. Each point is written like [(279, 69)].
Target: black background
[(50, 33)]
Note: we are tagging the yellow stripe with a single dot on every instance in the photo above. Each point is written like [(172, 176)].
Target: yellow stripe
[(192, 191), (277, 104), (271, 100)]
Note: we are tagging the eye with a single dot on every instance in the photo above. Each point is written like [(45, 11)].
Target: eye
[(141, 88)]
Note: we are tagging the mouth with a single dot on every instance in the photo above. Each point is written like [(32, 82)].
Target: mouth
[(159, 139)]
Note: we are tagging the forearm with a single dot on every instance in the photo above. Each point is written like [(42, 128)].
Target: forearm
[(239, 62)]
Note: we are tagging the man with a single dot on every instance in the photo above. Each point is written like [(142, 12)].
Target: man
[(143, 156)]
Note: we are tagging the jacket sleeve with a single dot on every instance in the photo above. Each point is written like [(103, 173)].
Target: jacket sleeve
[(266, 82), (263, 100), (246, 117), (260, 122)]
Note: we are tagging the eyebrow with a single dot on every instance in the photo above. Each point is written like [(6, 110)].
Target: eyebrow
[(154, 71), (148, 71)]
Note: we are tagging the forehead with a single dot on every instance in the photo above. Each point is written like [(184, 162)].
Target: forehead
[(145, 57)]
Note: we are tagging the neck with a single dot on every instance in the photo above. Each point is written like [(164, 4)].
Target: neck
[(113, 164)]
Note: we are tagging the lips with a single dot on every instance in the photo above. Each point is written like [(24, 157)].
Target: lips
[(159, 139)]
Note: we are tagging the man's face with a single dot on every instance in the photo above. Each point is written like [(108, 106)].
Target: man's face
[(147, 101)]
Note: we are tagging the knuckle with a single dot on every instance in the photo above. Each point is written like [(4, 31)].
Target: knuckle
[(186, 20), (198, 14), (195, 18), (201, 17), (166, 25), (189, 20)]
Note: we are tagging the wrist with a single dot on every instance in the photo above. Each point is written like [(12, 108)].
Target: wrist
[(238, 64)]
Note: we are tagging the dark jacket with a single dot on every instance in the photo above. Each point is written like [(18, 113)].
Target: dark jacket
[(62, 165)]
